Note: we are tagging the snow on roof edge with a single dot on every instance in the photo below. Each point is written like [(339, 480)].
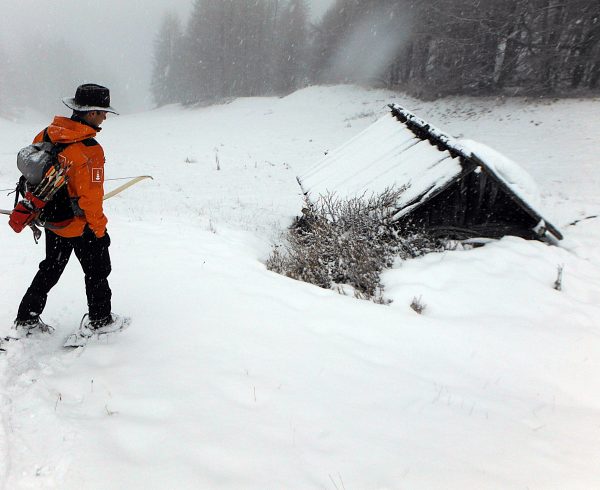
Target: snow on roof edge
[(507, 171)]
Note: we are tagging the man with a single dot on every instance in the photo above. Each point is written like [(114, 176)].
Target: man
[(84, 232)]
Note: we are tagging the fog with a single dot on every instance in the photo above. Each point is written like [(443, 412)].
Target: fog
[(383, 37), (49, 46)]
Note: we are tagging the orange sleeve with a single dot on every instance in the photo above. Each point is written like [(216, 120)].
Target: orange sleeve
[(86, 182)]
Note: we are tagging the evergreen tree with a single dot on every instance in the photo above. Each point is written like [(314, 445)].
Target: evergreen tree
[(292, 39), (463, 46), (230, 49), (167, 67)]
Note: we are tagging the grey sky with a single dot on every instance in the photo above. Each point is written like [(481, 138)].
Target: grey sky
[(116, 35)]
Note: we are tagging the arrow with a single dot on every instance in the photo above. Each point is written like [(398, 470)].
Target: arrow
[(112, 193)]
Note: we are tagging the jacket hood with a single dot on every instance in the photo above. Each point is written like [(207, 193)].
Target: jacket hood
[(65, 130)]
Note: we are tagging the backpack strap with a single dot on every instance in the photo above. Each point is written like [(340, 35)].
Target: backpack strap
[(59, 146), (20, 189)]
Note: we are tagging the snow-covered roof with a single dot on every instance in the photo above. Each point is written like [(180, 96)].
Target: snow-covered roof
[(383, 155), (401, 149), (505, 169)]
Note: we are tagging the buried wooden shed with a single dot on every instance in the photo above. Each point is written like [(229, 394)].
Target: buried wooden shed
[(454, 189)]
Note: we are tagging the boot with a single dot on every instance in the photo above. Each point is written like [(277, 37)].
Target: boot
[(25, 328), (109, 324)]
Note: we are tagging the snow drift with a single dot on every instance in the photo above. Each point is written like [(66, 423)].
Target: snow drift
[(232, 377)]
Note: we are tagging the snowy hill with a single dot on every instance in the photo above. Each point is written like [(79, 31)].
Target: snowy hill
[(234, 377)]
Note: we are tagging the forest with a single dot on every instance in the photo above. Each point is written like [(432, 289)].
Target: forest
[(427, 48)]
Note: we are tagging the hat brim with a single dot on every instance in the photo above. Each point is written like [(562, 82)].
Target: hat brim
[(70, 103)]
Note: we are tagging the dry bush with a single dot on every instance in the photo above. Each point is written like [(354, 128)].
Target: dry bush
[(346, 242)]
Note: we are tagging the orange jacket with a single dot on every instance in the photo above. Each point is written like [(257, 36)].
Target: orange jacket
[(86, 175)]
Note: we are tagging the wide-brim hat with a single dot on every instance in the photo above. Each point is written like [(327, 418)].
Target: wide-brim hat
[(90, 97)]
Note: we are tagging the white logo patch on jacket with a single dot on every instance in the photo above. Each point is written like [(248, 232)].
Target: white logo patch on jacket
[(98, 174)]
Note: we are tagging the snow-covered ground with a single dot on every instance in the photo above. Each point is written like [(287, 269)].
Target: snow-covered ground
[(232, 377)]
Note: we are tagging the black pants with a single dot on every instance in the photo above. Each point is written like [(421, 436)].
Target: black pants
[(94, 258)]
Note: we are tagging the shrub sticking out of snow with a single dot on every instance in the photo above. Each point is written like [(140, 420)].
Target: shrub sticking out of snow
[(418, 305), (346, 243), (559, 278)]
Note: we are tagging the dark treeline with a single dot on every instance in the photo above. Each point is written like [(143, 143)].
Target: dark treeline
[(231, 48), (429, 48)]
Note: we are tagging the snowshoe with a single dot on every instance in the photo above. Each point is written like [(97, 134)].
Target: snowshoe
[(27, 328), (24, 329), (95, 329)]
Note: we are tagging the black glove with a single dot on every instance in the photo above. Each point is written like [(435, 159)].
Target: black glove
[(89, 236), (104, 239)]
